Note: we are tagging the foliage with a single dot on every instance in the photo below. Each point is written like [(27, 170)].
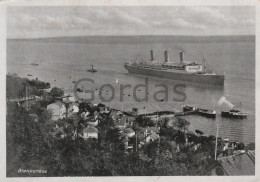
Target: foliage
[(145, 121), (56, 92), (17, 87), (30, 145), (181, 124)]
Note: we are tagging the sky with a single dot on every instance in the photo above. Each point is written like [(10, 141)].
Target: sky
[(35, 22)]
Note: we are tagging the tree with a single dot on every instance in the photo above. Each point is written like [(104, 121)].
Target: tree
[(163, 122), (145, 121), (181, 124), (56, 92)]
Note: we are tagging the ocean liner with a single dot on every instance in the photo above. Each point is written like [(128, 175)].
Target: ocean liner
[(183, 71)]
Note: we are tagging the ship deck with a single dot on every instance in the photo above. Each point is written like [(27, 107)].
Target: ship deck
[(161, 69)]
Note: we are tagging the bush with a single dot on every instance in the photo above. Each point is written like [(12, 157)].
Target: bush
[(56, 92)]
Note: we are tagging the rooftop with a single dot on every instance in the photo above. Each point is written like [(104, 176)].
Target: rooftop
[(237, 165)]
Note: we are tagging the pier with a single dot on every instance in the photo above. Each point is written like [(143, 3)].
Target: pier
[(163, 113)]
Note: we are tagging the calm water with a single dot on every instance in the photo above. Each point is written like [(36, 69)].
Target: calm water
[(68, 61)]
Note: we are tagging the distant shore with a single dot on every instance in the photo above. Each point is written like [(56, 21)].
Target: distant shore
[(132, 39)]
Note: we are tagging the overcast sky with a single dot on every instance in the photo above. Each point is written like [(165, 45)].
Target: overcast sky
[(31, 22)]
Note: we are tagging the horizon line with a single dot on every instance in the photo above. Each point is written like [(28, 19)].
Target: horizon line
[(127, 36)]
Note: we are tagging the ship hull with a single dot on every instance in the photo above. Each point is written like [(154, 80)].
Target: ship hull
[(230, 115), (196, 78), (208, 115)]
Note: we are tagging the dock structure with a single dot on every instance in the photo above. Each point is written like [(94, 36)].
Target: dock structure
[(185, 113), (163, 113)]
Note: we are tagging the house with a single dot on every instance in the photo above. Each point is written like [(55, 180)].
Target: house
[(129, 132), (84, 115), (97, 115), (93, 121), (127, 143), (154, 129), (73, 108), (149, 130), (69, 99), (145, 137), (101, 106), (104, 110), (89, 132), (235, 165), (121, 124), (131, 120), (114, 115), (27, 104), (58, 110), (152, 137)]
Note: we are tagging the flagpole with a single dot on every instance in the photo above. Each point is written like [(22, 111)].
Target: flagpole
[(216, 146), (26, 99)]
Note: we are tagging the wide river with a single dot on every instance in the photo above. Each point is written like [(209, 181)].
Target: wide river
[(63, 62)]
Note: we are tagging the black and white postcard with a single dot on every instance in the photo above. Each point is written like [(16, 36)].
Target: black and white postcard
[(120, 89)]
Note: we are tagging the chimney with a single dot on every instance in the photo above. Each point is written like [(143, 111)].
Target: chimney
[(152, 55), (181, 57), (166, 56)]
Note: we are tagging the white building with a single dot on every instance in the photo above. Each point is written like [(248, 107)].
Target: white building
[(58, 110), (89, 132)]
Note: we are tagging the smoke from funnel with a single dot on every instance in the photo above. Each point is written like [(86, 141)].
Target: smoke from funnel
[(223, 100)]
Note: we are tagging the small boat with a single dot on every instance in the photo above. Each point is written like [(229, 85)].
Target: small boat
[(207, 113), (79, 90), (189, 108), (92, 70), (34, 64), (233, 114), (117, 81), (29, 75), (73, 81)]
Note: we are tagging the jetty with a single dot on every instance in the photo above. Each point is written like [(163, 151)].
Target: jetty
[(165, 113)]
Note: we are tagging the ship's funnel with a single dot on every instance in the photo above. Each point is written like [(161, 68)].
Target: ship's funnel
[(152, 55), (181, 57), (166, 56)]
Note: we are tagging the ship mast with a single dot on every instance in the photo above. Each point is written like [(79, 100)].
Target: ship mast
[(204, 62), (137, 55), (138, 46), (203, 59)]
